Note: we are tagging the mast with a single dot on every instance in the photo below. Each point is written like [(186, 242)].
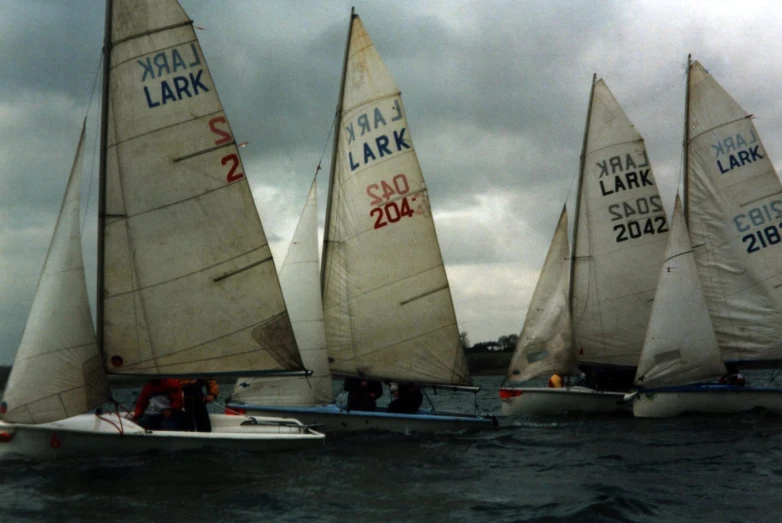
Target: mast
[(334, 152), (686, 143), (581, 165), (104, 130)]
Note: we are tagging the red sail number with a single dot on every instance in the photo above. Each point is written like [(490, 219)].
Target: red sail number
[(391, 212), (225, 135), (232, 174), (400, 187), (232, 158)]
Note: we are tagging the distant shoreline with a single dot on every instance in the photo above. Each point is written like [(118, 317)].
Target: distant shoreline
[(488, 363)]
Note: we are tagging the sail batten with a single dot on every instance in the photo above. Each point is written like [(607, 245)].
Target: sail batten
[(387, 304)]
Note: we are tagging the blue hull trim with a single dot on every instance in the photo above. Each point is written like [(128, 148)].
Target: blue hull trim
[(710, 387), (379, 413)]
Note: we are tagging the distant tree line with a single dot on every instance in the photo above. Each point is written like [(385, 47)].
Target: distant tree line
[(505, 343), (489, 357)]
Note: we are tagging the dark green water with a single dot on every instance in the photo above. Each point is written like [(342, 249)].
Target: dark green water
[(692, 468)]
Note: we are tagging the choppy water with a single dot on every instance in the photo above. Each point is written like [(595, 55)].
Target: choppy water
[(693, 468)]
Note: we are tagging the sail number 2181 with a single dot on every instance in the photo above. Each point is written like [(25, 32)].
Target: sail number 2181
[(762, 238), (388, 210)]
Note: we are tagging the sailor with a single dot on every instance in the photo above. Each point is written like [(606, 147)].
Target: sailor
[(732, 376), (159, 406), (197, 393), (407, 398), (362, 393), (555, 381)]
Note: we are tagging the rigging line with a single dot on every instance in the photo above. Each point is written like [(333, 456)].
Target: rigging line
[(570, 187), (95, 147), (328, 136), (431, 403)]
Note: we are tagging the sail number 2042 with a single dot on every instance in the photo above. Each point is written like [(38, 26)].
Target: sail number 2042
[(390, 208), (642, 225)]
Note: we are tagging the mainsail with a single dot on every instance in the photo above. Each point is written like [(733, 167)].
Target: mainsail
[(734, 209), (546, 341), (188, 282), (387, 304), (58, 371), (619, 240), (300, 280), (680, 344)]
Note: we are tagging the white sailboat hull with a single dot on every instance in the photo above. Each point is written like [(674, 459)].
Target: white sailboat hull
[(518, 401), (108, 435), (331, 419), (666, 403)]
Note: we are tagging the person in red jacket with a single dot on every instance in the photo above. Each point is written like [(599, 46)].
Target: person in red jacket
[(159, 406)]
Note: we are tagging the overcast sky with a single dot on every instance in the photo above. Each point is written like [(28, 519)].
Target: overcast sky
[(495, 95)]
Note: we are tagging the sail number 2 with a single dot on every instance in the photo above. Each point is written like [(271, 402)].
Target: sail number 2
[(388, 211), (231, 159)]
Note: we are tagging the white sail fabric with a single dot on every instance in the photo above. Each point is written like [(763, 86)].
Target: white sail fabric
[(620, 241), (735, 218), (387, 303), (546, 341), (190, 284), (300, 280), (680, 346), (58, 371)]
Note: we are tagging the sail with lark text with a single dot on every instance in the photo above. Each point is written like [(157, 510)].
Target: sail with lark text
[(189, 286), (734, 210), (619, 239), (387, 303)]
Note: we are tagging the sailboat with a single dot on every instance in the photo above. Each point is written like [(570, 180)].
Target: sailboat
[(733, 209), (387, 306), (186, 282), (598, 319), (300, 280)]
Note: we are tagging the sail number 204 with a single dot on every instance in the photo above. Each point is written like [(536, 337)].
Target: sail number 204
[(388, 210)]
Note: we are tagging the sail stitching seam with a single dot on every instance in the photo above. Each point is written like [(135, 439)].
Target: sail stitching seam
[(204, 269), (371, 101), (117, 143), (693, 138), (388, 284), (150, 33)]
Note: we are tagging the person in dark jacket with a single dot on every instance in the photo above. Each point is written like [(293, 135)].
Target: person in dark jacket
[(159, 406), (362, 393), (407, 398), (197, 393)]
